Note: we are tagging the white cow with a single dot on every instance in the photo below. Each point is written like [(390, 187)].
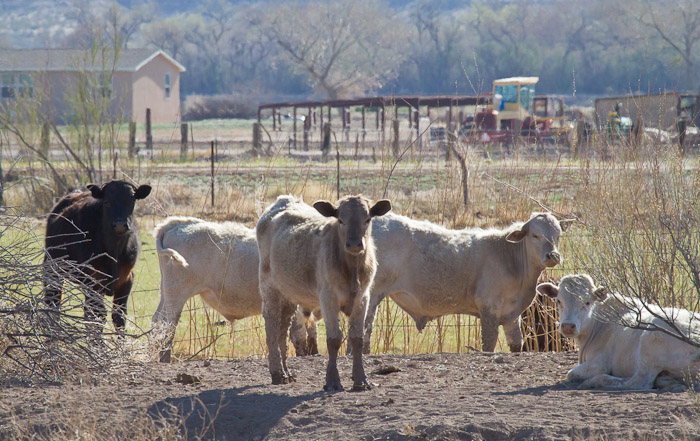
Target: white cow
[(218, 262), (431, 271), (320, 258), (616, 356)]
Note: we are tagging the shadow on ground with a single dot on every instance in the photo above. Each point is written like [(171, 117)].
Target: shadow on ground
[(236, 413)]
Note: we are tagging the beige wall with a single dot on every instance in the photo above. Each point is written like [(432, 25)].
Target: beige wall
[(56, 89), (149, 92), (132, 93)]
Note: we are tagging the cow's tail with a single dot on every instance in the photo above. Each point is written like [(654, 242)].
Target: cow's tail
[(161, 230)]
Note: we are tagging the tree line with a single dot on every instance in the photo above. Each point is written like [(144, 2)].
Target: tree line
[(338, 48)]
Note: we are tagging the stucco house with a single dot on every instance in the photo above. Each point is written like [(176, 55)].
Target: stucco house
[(138, 79)]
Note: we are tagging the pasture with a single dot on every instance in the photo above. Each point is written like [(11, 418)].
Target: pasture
[(636, 212)]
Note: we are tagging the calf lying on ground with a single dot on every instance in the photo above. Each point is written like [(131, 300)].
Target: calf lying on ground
[(324, 261), (218, 262), (616, 356), (96, 228), (431, 271)]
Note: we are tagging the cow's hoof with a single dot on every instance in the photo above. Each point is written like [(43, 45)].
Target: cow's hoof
[(361, 387), (333, 386), (516, 348), (280, 378), (586, 385)]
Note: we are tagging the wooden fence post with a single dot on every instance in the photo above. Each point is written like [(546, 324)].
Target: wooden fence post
[(132, 140), (212, 174), (256, 137), (45, 137), (294, 124), (395, 141), (307, 129), (149, 134), (326, 145), (192, 140), (419, 138), (183, 141)]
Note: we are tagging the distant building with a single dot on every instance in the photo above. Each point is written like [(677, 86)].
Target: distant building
[(139, 79)]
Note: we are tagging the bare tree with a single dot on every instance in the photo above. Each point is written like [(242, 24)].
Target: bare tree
[(168, 34), (344, 48), (122, 24), (676, 24)]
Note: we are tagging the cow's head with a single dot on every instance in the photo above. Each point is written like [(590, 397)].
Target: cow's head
[(118, 200), (354, 216), (541, 235), (577, 298)]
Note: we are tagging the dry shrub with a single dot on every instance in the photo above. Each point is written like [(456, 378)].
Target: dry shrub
[(198, 107), (39, 343), (642, 220), (80, 423)]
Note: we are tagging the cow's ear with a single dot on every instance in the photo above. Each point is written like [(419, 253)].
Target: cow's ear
[(96, 191), (517, 235), (566, 223), (326, 208), (548, 289), (142, 192), (600, 293), (380, 208)]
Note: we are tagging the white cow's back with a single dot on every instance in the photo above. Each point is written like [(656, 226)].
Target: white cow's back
[(221, 264)]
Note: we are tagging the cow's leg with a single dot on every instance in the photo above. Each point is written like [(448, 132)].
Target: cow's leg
[(298, 332), (489, 330), (375, 300), (640, 380), (586, 370), (94, 312), (355, 332), (286, 312), (329, 309), (651, 356), (312, 333), (173, 296), (303, 332), (52, 294), (121, 296), (514, 335), (272, 313)]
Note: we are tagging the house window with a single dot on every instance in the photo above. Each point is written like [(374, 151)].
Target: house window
[(167, 85), (7, 86), (13, 85)]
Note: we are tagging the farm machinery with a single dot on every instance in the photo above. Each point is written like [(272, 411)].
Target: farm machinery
[(665, 117), (514, 113)]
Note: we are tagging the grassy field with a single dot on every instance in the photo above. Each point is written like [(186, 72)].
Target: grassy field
[(629, 193)]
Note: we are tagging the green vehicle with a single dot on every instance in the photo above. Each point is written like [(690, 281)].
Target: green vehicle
[(618, 127)]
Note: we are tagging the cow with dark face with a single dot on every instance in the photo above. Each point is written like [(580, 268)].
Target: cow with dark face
[(96, 228)]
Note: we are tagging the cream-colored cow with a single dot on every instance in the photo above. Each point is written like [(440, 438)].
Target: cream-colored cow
[(431, 271), (321, 257), (218, 262), (619, 356)]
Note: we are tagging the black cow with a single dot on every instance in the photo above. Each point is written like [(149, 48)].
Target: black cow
[(96, 228)]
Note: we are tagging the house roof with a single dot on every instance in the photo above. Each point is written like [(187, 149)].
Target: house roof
[(29, 60)]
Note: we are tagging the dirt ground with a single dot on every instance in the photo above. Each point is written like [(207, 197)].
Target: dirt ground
[(473, 396)]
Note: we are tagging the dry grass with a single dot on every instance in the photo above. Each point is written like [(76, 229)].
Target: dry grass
[(599, 187)]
